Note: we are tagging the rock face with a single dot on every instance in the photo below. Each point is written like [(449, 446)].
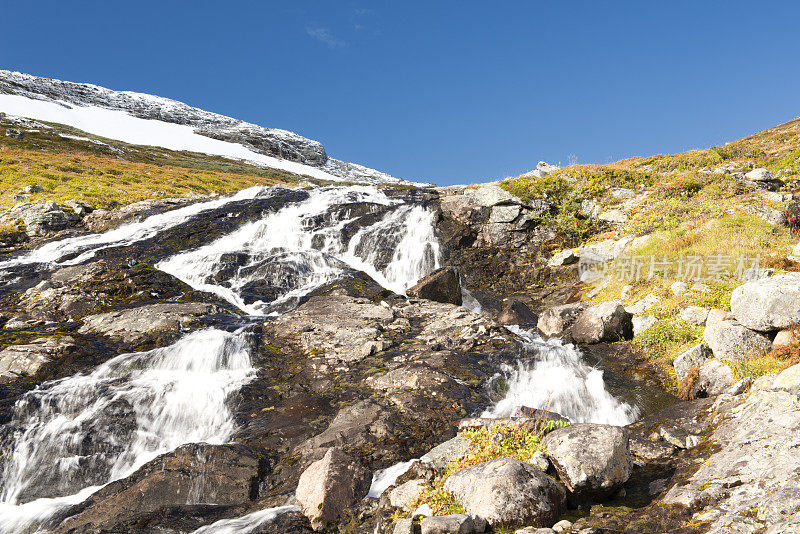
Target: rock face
[(330, 485), (729, 340), (592, 460), (508, 492), (768, 304), (26, 360), (136, 325), (554, 321), (603, 322), (192, 474), (441, 286)]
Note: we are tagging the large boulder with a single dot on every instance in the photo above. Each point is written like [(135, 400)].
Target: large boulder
[(330, 485), (608, 321), (42, 218), (768, 304), (714, 377), (516, 312), (729, 340), (554, 321), (508, 492), (191, 474), (592, 460), (442, 286), (693, 357)]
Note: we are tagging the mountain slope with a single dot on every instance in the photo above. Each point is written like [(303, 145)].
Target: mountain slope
[(144, 119)]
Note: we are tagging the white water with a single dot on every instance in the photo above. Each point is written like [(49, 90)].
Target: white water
[(86, 246), (383, 478), (315, 253), (245, 524), (168, 396), (554, 376)]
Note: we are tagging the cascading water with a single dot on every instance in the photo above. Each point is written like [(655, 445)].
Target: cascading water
[(553, 375), (84, 431), (267, 265)]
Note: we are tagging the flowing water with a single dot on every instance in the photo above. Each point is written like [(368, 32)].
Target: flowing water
[(71, 436)]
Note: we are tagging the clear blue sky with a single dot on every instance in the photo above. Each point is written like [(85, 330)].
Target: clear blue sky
[(449, 92)]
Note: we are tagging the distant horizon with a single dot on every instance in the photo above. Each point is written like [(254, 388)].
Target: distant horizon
[(449, 93)]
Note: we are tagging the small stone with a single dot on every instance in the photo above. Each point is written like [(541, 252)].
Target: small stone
[(423, 511), (700, 286), (679, 288), (565, 257), (404, 526), (33, 188), (785, 337), (405, 494), (539, 461), (642, 305), (625, 292), (562, 526), (615, 216)]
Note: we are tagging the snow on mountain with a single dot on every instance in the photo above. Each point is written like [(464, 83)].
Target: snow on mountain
[(143, 119)]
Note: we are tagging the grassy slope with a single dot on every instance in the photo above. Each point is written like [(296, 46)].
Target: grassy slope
[(688, 211)]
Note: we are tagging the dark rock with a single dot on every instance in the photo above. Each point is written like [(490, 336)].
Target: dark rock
[(516, 312), (440, 286)]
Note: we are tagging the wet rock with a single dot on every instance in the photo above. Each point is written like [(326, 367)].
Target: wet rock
[(330, 485), (191, 474), (556, 320), (603, 322), (440, 286), (592, 460), (26, 360), (729, 340), (769, 304), (145, 323), (694, 314), (516, 312), (449, 524), (508, 492)]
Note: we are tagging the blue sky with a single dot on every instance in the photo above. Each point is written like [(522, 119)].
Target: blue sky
[(448, 92)]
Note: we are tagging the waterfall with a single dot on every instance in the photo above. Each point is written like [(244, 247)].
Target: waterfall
[(245, 524), (265, 266), (74, 434), (553, 375)]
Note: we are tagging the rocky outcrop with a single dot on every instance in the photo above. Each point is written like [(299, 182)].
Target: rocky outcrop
[(192, 474), (603, 322), (442, 285), (330, 485), (508, 492), (142, 324), (592, 460), (25, 360), (769, 304)]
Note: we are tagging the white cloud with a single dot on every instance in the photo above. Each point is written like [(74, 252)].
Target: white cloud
[(325, 36)]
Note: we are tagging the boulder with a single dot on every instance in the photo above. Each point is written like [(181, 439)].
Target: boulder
[(554, 321), (330, 485), (714, 378), (489, 195), (191, 474), (788, 379), (26, 360), (43, 218), (769, 304), (642, 323), (508, 492), (440, 286), (679, 288), (516, 312), (592, 460), (759, 175), (565, 257), (729, 340), (695, 356), (451, 524), (435, 461), (614, 216), (644, 304), (404, 495), (694, 314), (33, 188), (786, 337), (603, 322)]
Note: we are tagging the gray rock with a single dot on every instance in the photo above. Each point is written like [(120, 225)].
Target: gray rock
[(592, 460), (539, 461), (404, 495), (443, 285), (786, 337), (504, 214), (614, 216), (491, 195), (554, 321), (508, 492), (534, 530), (79, 207), (33, 188), (42, 218), (769, 304), (26, 360), (788, 379), (758, 175), (14, 133), (715, 315), (330, 485), (516, 312), (715, 378), (695, 356), (679, 288), (648, 450), (740, 387), (642, 305), (694, 314), (562, 526), (603, 322), (590, 208), (564, 257), (436, 459), (404, 526), (642, 323), (729, 340), (449, 524)]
